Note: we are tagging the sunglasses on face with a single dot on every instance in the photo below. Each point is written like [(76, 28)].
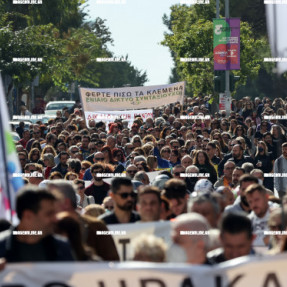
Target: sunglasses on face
[(177, 173), (81, 187), (92, 149), (137, 141), (22, 159), (125, 195), (97, 171), (99, 158), (160, 145), (74, 151), (131, 171)]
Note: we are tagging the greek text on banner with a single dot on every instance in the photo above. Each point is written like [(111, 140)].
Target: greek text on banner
[(130, 98), (241, 272)]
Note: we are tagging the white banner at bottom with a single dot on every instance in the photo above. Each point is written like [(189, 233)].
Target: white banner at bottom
[(267, 271)]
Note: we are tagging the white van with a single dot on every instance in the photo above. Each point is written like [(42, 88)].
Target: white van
[(52, 107)]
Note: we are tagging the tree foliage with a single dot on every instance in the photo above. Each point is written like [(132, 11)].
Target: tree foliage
[(191, 36), (57, 32)]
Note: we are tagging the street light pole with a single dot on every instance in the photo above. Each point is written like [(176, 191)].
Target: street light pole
[(217, 9), (227, 72)]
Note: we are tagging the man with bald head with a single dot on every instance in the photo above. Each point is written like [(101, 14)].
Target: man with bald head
[(190, 232)]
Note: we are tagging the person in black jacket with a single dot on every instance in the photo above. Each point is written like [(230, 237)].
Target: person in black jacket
[(236, 238), (37, 213)]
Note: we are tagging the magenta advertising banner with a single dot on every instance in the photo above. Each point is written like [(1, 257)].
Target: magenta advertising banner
[(226, 44)]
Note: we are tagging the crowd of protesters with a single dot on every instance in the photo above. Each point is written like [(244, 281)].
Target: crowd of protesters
[(217, 173)]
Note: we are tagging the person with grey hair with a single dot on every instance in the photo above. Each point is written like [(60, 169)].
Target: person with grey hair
[(206, 205), (131, 171), (139, 158), (186, 161), (159, 120), (111, 141), (190, 233), (49, 162), (149, 248), (103, 246), (73, 150), (248, 167), (142, 177), (226, 179), (160, 180), (191, 181)]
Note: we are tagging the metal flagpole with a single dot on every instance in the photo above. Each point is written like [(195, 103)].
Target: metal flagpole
[(6, 184)]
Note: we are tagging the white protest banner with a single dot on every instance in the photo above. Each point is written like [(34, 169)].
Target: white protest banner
[(267, 271), (127, 232), (129, 98), (111, 116), (150, 174)]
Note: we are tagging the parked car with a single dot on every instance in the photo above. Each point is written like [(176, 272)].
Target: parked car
[(54, 106)]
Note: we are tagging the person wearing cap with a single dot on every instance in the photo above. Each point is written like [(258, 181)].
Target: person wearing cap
[(122, 192)]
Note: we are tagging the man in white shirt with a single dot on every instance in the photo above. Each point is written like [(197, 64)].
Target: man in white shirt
[(257, 199)]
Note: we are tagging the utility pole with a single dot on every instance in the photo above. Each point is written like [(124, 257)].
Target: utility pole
[(227, 72), (217, 9)]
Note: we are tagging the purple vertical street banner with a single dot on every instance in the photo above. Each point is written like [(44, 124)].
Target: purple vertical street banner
[(226, 44)]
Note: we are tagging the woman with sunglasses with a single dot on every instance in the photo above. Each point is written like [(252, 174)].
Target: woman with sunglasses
[(262, 129), (223, 146), (224, 126), (118, 156), (202, 161), (84, 166), (34, 155), (84, 199), (142, 166), (36, 144), (264, 162), (174, 158), (247, 110), (278, 139), (136, 141), (233, 125), (240, 132)]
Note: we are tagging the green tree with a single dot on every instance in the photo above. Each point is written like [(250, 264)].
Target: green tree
[(191, 35)]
